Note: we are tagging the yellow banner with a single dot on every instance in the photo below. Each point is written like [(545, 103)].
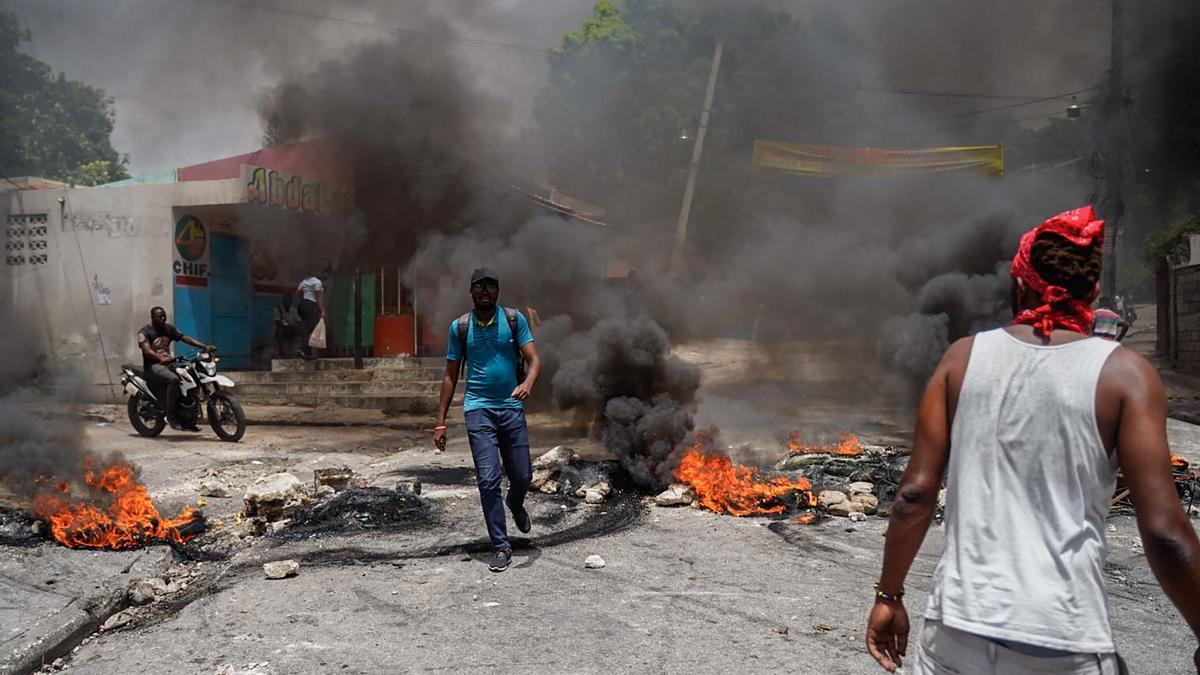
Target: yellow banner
[(832, 161)]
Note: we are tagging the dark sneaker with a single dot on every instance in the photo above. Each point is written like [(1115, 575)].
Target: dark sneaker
[(174, 423), (521, 518), (191, 427), (500, 560)]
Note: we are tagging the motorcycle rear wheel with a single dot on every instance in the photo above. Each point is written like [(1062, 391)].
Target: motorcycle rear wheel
[(139, 409)]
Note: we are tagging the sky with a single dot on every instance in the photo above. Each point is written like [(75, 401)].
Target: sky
[(188, 76)]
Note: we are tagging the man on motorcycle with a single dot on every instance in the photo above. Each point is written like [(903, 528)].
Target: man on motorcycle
[(154, 339)]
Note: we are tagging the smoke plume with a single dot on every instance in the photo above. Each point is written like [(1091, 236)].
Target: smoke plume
[(41, 430)]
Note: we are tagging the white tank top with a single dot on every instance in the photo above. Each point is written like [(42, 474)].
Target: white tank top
[(1028, 489)]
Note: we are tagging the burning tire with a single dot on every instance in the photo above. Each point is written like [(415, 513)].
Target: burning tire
[(226, 417), (144, 416)]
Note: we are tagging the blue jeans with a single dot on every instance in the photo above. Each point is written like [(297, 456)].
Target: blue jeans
[(499, 435)]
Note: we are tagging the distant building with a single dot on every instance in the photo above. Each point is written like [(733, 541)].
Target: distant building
[(215, 244)]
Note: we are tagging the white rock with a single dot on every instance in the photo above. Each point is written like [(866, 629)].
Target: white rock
[(861, 488), (828, 498), (556, 458), (325, 491), (676, 494), (550, 487), (843, 509), (212, 488), (594, 496), (941, 502), (542, 476), (867, 503), (270, 495), (857, 516), (281, 569), (121, 618), (593, 562), (141, 592)]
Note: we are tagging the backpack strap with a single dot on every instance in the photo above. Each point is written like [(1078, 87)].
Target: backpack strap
[(461, 326), (511, 315)]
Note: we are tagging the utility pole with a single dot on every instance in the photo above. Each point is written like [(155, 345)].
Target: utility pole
[(697, 150), (1112, 206)]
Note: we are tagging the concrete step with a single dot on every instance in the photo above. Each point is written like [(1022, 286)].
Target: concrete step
[(322, 388), (336, 376), (396, 363), (416, 404)]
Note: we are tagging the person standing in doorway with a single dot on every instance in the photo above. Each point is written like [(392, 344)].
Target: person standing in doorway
[(287, 325), (312, 307), (1028, 424), (502, 366)]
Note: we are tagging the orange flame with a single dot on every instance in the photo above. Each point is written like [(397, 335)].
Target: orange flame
[(847, 445), (805, 519), (1179, 463), (736, 490), (128, 521)]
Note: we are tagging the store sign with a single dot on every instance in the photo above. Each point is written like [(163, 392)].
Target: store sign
[(271, 188), (191, 264)]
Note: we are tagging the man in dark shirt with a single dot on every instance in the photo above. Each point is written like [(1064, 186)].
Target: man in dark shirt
[(154, 339)]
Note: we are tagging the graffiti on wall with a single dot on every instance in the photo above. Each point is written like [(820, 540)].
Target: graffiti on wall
[(92, 221), (25, 240), (103, 293), (271, 188)]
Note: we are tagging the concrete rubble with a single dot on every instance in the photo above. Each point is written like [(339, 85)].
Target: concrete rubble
[(213, 488), (595, 494), (547, 466), (337, 478), (281, 569), (268, 497), (409, 484), (593, 562), (676, 494)]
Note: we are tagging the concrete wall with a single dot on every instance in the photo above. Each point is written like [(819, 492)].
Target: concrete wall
[(85, 278), (1185, 317)]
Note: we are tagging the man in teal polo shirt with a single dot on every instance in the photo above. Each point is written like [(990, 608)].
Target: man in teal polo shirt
[(493, 406)]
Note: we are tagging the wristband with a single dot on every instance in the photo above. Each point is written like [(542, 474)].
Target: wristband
[(440, 427), (890, 597)]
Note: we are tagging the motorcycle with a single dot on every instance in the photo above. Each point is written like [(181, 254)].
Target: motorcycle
[(200, 388)]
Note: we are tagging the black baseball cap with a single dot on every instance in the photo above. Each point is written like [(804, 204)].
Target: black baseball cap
[(484, 273)]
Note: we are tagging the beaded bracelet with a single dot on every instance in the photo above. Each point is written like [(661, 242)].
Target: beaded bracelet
[(890, 597)]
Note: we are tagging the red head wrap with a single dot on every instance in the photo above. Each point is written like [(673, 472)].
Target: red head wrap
[(1061, 309)]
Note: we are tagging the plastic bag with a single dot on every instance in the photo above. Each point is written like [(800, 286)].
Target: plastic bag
[(317, 339)]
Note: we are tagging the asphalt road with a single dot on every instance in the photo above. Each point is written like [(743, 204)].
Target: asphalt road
[(682, 591)]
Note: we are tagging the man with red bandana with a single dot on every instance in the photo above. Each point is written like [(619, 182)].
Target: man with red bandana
[(1028, 424)]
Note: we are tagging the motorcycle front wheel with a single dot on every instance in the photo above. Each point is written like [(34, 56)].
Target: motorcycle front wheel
[(144, 416), (226, 418)]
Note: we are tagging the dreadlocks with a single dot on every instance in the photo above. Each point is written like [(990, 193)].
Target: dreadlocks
[(1061, 263)]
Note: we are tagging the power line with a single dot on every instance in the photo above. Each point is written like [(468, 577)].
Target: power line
[(14, 183), (1030, 102)]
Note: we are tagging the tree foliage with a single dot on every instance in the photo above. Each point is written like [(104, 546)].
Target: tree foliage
[(51, 126), (625, 92)]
